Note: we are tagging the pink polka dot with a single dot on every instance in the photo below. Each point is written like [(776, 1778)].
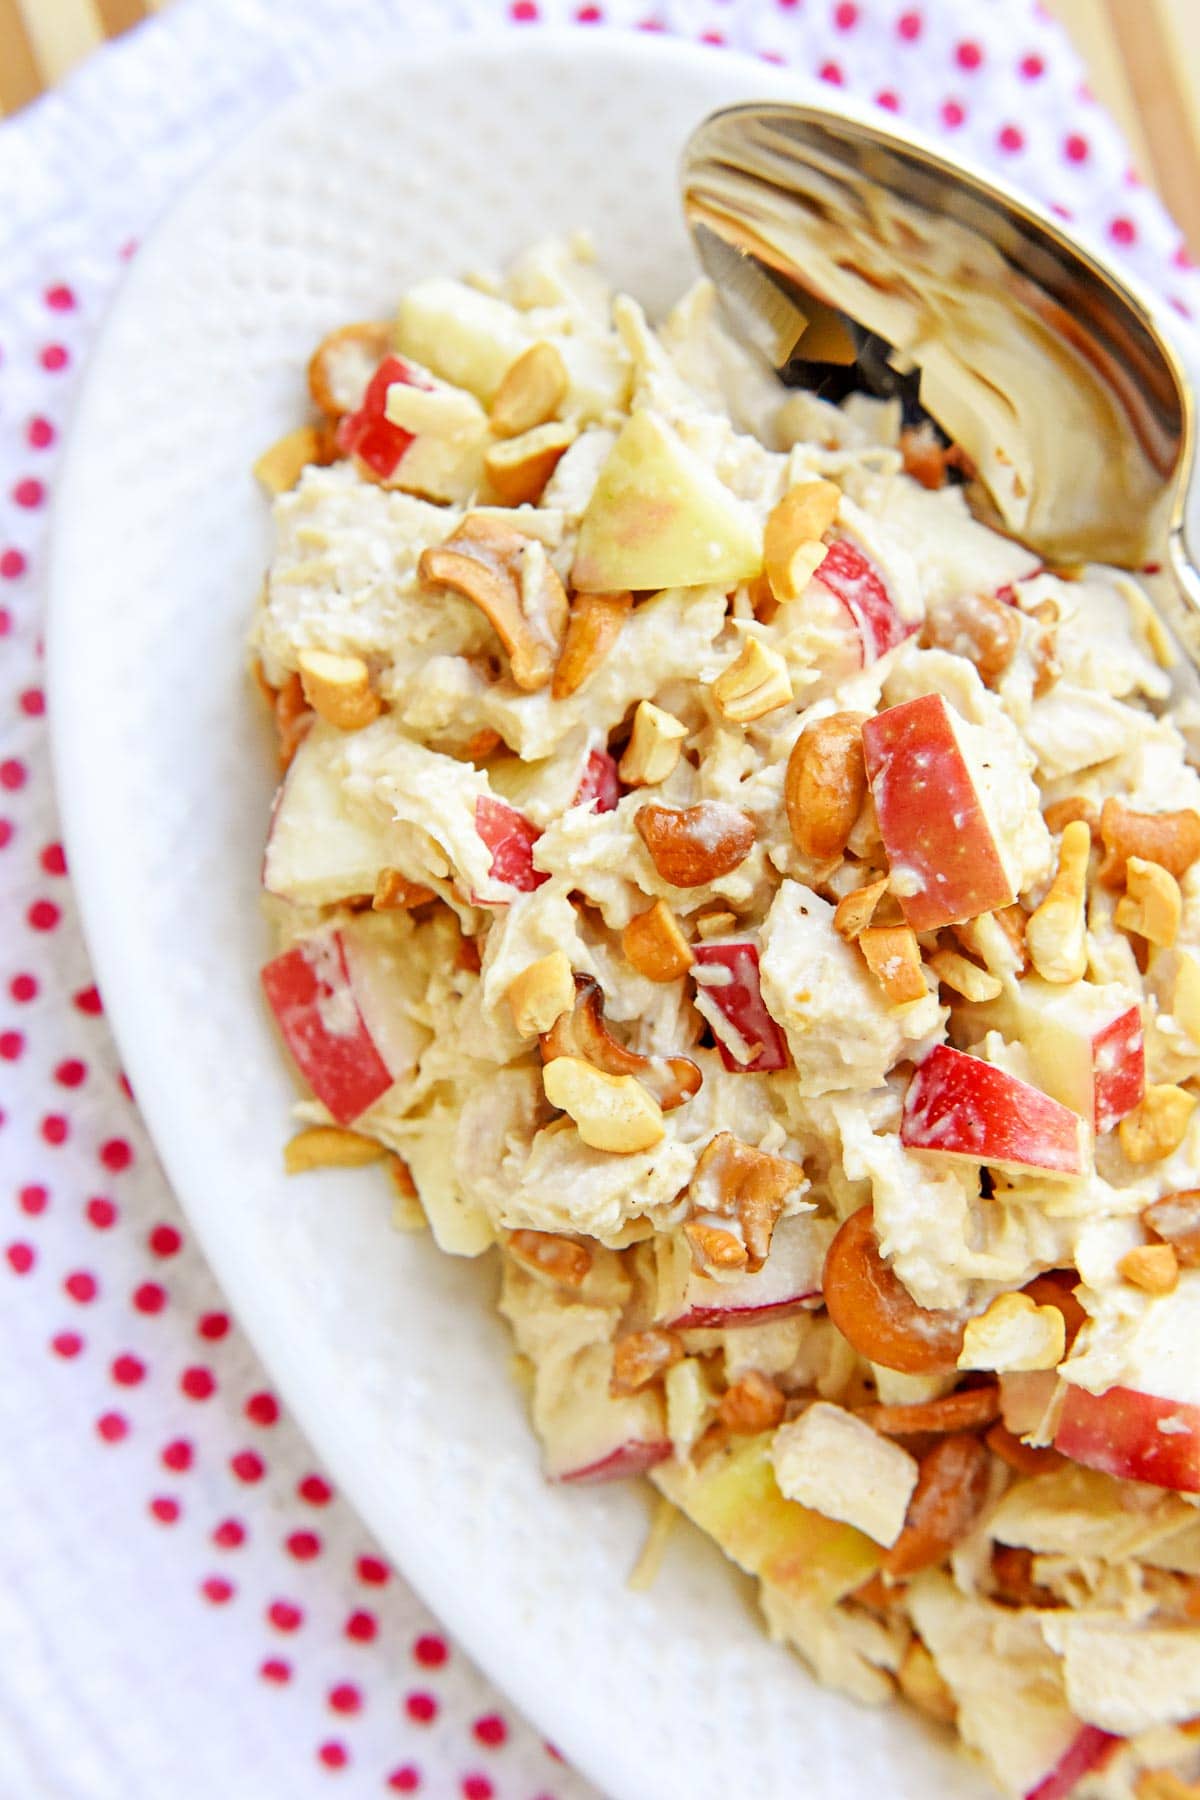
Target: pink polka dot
[(165, 1241), (6, 833), (362, 1627), (968, 55), (230, 1534), (40, 434), (60, 298), (1011, 138), (53, 859), (1181, 306), (334, 1755), (29, 493), (248, 1466), (66, 1344), (345, 1698), (315, 1489), (431, 1652), (5, 621), (523, 12), (13, 774), (23, 988), (1123, 231), (88, 1001), (33, 1199), (21, 1258), (82, 1287), (831, 73), (71, 1073), (303, 1545), (262, 1409), (12, 564), (845, 15), (490, 1730), (165, 1509), (712, 37), (217, 1590), (284, 1615), (32, 703), (422, 1709), (116, 1155), (953, 113), (128, 1371), (1031, 67), (112, 1427), (275, 1670), (178, 1456), (43, 915), (372, 1570), (589, 15), (55, 1129), (54, 358), (198, 1383), (407, 1779), (888, 100), (11, 1045), (477, 1787), (149, 1297), (101, 1213), (1181, 256), (908, 26)]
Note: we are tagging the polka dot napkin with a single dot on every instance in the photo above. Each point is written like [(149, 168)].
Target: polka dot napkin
[(186, 1607)]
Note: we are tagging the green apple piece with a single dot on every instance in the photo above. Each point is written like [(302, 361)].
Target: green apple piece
[(660, 518), (467, 337), (733, 1495)]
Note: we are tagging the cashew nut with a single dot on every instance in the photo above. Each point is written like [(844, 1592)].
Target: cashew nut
[(1056, 935), (513, 583)]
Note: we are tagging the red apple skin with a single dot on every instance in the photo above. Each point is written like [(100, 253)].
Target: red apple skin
[(788, 1282), (1119, 1065), (599, 783), (344, 1069), (922, 786), (728, 1318), (1118, 1432), (1087, 1751), (368, 433), (632, 1458), (962, 1106), (859, 586), (743, 1005), (510, 837)]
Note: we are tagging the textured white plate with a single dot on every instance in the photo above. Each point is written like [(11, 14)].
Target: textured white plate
[(389, 1353)]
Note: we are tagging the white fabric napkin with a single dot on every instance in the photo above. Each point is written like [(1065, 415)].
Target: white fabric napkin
[(186, 1610)]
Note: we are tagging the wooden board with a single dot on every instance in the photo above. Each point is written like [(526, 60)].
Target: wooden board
[(1143, 59)]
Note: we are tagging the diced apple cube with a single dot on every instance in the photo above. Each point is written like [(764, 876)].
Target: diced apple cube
[(309, 989), (730, 996), (788, 1282), (861, 590), (600, 784), (598, 1436), (658, 517), (733, 1495), (938, 813), (1085, 1042), (319, 852), (1136, 1436), (465, 336), (962, 1107), (510, 837), (835, 1463), (368, 433)]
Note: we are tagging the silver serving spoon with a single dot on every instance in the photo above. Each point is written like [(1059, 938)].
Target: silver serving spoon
[(844, 252)]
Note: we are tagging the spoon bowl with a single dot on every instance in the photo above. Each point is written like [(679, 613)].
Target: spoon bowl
[(851, 257)]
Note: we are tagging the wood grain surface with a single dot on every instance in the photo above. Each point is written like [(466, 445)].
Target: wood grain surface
[(1143, 60)]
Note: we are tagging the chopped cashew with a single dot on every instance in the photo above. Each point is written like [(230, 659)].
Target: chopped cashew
[(513, 583), (792, 547), (654, 746), (1014, 1334), (329, 1147), (894, 959), (592, 629), (755, 683), (855, 910), (1152, 1267), (582, 1032), (825, 785), (338, 688), (715, 924), (541, 993), (1152, 904), (963, 976), (545, 1253), (1157, 1125), (394, 892), (533, 389), (280, 468), (641, 1357), (612, 1112), (519, 468), (655, 945), (1056, 935)]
